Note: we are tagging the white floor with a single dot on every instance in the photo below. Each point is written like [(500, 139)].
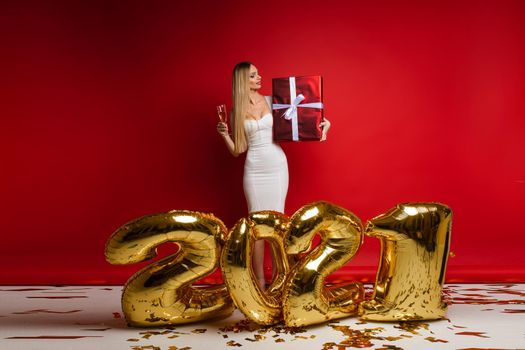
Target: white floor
[(89, 317)]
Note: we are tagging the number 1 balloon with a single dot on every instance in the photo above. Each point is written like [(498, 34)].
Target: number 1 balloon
[(415, 239)]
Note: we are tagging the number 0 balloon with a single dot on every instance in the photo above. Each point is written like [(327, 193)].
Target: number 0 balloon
[(262, 307)]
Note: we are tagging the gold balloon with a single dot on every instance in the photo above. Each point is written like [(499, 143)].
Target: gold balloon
[(262, 307), (415, 240), (306, 300), (161, 293)]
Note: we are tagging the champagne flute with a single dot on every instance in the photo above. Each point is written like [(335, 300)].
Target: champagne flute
[(221, 111)]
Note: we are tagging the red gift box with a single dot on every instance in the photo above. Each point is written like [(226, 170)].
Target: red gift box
[(297, 108)]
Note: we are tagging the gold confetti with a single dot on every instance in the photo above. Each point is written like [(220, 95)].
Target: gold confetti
[(411, 326), (241, 326), (149, 334), (434, 340), (392, 338), (199, 330), (233, 343), (329, 346), (246, 325), (355, 338)]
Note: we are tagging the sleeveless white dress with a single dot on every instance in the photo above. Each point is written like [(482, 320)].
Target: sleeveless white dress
[(265, 169)]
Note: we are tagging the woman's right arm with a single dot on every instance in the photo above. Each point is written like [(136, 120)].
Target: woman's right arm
[(222, 129)]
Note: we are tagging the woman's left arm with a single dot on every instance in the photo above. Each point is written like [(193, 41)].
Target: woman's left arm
[(325, 124)]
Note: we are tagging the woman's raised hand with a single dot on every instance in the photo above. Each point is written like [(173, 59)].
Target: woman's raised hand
[(325, 124), (222, 128)]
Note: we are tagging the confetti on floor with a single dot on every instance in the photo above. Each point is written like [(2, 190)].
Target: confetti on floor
[(479, 317)]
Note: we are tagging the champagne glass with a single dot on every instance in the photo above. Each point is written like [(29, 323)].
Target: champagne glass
[(221, 111)]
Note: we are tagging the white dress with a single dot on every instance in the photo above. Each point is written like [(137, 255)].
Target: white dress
[(265, 169)]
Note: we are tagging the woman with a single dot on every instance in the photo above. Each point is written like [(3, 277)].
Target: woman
[(266, 168)]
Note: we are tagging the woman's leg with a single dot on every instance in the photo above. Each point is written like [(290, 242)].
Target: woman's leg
[(258, 262)]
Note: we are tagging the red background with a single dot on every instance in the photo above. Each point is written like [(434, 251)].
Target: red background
[(108, 114)]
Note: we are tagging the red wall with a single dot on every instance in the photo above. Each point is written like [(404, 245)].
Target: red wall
[(108, 113)]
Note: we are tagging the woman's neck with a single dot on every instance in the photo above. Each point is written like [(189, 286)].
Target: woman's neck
[(254, 96)]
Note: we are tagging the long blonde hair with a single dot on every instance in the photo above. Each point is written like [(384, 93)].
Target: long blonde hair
[(241, 100)]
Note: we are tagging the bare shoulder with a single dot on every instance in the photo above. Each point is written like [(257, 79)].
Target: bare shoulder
[(268, 101)]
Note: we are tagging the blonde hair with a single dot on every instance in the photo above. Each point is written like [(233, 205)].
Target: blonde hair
[(241, 100)]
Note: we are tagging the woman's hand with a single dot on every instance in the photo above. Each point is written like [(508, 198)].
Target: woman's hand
[(222, 128), (325, 124)]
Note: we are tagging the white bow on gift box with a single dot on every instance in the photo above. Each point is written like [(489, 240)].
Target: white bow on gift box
[(291, 109)]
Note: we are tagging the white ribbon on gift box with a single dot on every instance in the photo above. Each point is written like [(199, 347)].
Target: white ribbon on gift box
[(291, 109)]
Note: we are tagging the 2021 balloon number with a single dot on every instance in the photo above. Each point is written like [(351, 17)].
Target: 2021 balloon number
[(415, 239)]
